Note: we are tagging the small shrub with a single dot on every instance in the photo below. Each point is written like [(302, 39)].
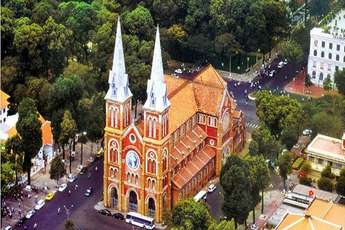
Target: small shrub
[(327, 172), (305, 180), (298, 163), (325, 183)]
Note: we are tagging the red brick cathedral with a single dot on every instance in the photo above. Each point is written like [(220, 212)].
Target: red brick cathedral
[(189, 126)]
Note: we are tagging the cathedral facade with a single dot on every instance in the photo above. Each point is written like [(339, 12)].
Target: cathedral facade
[(188, 127)]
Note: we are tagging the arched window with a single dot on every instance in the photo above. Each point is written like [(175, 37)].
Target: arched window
[(151, 162), (337, 57), (128, 116), (313, 74), (153, 184), (344, 58), (112, 116), (165, 159), (149, 122), (321, 76), (330, 56), (154, 123), (129, 177), (322, 54), (136, 179), (113, 151), (315, 53)]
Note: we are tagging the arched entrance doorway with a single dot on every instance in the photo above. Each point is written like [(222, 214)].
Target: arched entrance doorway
[(151, 207), (113, 198), (132, 202)]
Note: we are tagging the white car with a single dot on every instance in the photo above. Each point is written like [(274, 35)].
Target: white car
[(71, 178), (8, 228), (29, 214), (39, 204), (211, 188), (62, 187), (272, 73), (28, 188), (307, 132), (280, 65)]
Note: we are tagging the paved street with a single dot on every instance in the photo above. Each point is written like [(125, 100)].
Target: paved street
[(81, 208)]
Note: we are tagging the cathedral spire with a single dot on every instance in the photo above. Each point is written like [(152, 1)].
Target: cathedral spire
[(156, 88), (118, 79)]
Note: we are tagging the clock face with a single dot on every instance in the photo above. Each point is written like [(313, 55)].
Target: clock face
[(225, 121), (132, 160)]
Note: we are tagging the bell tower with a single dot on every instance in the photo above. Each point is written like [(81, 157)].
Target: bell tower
[(157, 104), (118, 118)]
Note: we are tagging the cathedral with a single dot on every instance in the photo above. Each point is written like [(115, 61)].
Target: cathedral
[(189, 125)]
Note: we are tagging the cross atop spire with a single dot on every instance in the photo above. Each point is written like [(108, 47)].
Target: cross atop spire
[(156, 88), (118, 79)]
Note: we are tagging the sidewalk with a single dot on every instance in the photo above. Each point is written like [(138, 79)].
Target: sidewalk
[(41, 180)]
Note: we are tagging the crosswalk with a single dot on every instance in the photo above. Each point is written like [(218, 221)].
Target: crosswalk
[(252, 125)]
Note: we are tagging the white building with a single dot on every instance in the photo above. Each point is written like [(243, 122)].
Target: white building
[(327, 50), (324, 150)]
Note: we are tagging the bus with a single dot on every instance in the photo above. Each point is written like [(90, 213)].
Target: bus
[(140, 220), (201, 195)]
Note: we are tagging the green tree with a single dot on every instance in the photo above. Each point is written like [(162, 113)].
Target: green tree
[(260, 178), (319, 7), (340, 186), (325, 183), (291, 50), (139, 21), (339, 79), (327, 83), (327, 124), (306, 167), (189, 214), (7, 176), (235, 180), (327, 172), (14, 149), (285, 166), (57, 169), (68, 130), (223, 225), (43, 10), (29, 129)]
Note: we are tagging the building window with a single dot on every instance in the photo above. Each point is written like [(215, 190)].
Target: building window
[(338, 47), (132, 138), (330, 46), (315, 42), (313, 74), (337, 57), (321, 76), (322, 54), (344, 59), (315, 53), (320, 161), (165, 159), (329, 56), (202, 119), (336, 68), (323, 44), (151, 162), (212, 121), (113, 151)]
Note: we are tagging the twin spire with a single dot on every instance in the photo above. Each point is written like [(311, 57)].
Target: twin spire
[(119, 91)]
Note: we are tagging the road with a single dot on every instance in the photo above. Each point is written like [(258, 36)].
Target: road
[(240, 90), (82, 212)]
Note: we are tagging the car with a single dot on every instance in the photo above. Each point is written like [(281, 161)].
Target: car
[(71, 178), (280, 65), (88, 192), (104, 212), (28, 188), (39, 204), (30, 213), (211, 188), (272, 73), (307, 132), (118, 216), (49, 196), (83, 170), (8, 227), (62, 187), (285, 62)]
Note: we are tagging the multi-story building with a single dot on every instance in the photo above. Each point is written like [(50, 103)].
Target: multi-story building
[(187, 127), (327, 50), (324, 150)]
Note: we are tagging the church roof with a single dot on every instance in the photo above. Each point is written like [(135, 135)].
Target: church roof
[(202, 93)]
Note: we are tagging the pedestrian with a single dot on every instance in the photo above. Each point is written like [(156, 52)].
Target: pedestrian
[(96, 168), (35, 225), (58, 211), (69, 192)]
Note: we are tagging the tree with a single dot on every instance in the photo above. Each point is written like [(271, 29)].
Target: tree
[(291, 50), (235, 180), (69, 225), (319, 7), (57, 169), (325, 183), (223, 225), (260, 177), (306, 167), (7, 176), (139, 21), (327, 83), (14, 150), (284, 163), (340, 185), (327, 172), (339, 79), (29, 129), (189, 214), (327, 124), (68, 131)]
